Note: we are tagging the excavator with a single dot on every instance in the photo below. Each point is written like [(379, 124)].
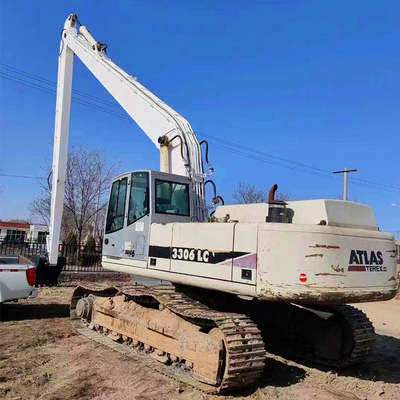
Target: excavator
[(227, 281)]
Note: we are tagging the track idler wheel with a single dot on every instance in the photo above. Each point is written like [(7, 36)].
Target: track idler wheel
[(84, 307)]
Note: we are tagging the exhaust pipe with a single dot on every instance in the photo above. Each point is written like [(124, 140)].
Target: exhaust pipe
[(277, 211), (272, 191)]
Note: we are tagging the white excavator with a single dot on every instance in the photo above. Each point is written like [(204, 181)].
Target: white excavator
[(244, 277)]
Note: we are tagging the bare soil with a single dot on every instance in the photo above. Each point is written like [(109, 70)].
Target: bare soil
[(41, 357)]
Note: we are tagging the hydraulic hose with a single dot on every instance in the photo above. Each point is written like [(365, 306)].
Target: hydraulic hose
[(206, 156)]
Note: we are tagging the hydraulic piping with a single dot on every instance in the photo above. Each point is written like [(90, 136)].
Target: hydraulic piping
[(211, 168)]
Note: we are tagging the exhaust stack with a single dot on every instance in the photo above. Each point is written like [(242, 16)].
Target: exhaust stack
[(277, 211)]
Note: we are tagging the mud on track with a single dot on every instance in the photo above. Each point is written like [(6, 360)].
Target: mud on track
[(41, 357)]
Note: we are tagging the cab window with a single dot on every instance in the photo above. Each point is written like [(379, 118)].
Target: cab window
[(139, 196), (172, 198), (116, 206)]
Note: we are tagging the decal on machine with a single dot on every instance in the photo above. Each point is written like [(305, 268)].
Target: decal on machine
[(193, 255), (362, 260), (128, 249), (198, 255)]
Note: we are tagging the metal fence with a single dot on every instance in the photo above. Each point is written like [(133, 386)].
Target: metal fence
[(78, 258)]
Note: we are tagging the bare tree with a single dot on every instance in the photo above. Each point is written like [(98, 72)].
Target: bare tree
[(39, 207), (88, 179), (246, 193)]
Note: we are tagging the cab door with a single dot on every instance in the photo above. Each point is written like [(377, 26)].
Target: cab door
[(136, 232), (114, 229)]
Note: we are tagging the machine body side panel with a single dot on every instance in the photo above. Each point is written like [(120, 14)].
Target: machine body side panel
[(203, 249), (135, 267), (303, 263), (289, 263), (245, 245)]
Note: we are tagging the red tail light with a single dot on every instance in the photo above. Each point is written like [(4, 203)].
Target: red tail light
[(30, 276)]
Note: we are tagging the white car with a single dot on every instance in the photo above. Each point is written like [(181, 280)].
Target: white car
[(17, 278)]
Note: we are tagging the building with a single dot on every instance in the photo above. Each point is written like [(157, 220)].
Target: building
[(37, 233), (20, 232)]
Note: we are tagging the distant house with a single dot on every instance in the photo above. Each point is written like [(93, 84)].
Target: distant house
[(19, 232)]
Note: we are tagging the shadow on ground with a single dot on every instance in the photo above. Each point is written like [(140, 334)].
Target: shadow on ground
[(383, 363), (19, 312), (277, 374)]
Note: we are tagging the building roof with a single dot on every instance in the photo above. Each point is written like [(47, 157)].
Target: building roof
[(14, 225)]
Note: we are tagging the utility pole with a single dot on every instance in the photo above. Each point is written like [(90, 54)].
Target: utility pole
[(345, 172)]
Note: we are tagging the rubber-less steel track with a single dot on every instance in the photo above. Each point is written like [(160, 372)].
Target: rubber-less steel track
[(304, 334), (340, 337), (363, 334), (245, 353)]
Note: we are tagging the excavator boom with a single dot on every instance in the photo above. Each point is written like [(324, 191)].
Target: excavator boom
[(179, 148)]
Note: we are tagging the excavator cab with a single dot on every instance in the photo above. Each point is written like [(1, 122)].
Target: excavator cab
[(138, 199)]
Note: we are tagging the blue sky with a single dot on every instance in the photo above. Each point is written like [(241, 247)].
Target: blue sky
[(315, 82)]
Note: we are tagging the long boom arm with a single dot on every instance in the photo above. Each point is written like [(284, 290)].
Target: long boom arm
[(180, 151)]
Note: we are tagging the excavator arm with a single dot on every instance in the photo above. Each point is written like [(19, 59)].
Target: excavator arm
[(180, 151)]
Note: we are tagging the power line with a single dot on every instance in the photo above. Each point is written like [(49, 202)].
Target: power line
[(263, 159), (53, 92), (23, 176), (29, 84), (281, 160), (229, 143), (216, 142), (54, 84), (323, 171), (317, 172)]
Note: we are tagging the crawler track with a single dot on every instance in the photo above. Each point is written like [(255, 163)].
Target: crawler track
[(343, 337), (329, 335), (245, 353), (362, 334)]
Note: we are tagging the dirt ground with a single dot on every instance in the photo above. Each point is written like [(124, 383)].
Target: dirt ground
[(41, 357)]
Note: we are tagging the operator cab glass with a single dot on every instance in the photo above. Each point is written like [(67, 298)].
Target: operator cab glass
[(137, 200), (139, 204), (172, 198), (116, 206)]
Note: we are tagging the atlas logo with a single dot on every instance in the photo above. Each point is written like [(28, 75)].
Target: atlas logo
[(362, 260)]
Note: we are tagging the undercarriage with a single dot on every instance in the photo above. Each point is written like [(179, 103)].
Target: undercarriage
[(215, 341), (217, 351), (331, 335)]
